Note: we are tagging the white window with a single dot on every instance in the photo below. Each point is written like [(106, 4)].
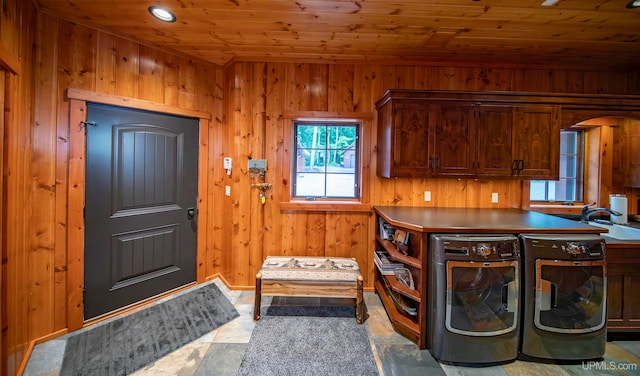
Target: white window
[(326, 160), (569, 187)]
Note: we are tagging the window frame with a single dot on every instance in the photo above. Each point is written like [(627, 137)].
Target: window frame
[(580, 173), (291, 203), (325, 150)]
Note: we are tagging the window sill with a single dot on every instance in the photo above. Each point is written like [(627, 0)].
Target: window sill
[(325, 206), (556, 209)]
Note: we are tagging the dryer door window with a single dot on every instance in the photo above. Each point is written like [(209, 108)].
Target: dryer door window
[(570, 296), (482, 297)]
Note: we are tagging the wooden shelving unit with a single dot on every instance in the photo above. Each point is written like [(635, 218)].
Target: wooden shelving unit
[(411, 326)]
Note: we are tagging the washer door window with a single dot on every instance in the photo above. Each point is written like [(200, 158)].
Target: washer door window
[(482, 297), (570, 296)]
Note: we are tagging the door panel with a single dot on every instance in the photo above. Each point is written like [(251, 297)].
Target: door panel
[(453, 140), (570, 296), (141, 182), (495, 140), (412, 149)]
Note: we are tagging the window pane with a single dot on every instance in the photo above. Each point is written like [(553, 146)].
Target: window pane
[(568, 143), (326, 163), (341, 185), (311, 136), (551, 191), (571, 166), (566, 190), (310, 185), (317, 160), (538, 190)]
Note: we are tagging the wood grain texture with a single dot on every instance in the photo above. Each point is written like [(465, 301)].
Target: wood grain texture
[(18, 31), (246, 101)]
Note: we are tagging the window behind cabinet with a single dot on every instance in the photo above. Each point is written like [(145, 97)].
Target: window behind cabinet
[(570, 186)]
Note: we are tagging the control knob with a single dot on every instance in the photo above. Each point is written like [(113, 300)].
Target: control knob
[(574, 249), (484, 250)]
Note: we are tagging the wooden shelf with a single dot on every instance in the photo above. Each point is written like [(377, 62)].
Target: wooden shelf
[(401, 289), (399, 320), (396, 255), (389, 288)]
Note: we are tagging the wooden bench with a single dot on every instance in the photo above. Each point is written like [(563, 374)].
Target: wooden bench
[(332, 277)]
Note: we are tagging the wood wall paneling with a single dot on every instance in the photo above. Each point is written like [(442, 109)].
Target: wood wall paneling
[(247, 100), (74, 56), (17, 37)]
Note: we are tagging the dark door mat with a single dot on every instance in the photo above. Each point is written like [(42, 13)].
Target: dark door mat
[(308, 345), (126, 344)]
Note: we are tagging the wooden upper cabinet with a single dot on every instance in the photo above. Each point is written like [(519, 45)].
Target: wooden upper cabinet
[(454, 142), (496, 141), (404, 139), (419, 136), (619, 157), (537, 140), (626, 159), (633, 152)]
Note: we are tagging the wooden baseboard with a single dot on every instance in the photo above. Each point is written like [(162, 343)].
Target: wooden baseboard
[(25, 358)]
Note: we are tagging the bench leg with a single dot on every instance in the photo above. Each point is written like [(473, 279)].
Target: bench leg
[(256, 306), (360, 301)]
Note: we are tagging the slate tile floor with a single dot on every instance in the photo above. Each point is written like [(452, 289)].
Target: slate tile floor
[(220, 352)]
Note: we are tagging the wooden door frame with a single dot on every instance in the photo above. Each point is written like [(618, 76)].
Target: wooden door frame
[(76, 188)]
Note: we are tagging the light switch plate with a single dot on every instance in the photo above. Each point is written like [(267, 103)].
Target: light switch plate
[(494, 197), (227, 190), (427, 195)]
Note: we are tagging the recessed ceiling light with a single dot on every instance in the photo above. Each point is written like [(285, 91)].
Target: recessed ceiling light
[(162, 13), (633, 4), (548, 3)]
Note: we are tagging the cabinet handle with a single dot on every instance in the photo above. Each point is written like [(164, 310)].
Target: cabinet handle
[(521, 165), (431, 163), (438, 162), (514, 166)]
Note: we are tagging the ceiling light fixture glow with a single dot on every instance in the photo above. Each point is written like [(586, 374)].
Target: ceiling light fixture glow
[(548, 3), (162, 14), (633, 4)]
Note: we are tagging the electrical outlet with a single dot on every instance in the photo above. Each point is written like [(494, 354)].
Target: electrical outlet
[(427, 195), (227, 190), (494, 197)]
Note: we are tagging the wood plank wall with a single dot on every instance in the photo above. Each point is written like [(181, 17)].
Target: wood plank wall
[(17, 34), (247, 101), (75, 56), (56, 55), (257, 95)]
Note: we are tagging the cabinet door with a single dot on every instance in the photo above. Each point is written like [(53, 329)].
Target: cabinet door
[(619, 159), (537, 142), (633, 156), (412, 148), (495, 137), (454, 140)]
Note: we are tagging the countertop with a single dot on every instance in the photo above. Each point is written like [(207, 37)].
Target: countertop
[(466, 220)]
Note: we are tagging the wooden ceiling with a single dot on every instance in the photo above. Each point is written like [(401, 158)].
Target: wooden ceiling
[(578, 34)]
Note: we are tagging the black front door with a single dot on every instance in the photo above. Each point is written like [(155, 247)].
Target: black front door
[(141, 195)]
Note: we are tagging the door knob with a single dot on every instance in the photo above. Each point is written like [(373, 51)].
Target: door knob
[(191, 212)]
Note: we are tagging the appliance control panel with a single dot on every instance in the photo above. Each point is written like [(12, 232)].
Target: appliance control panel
[(589, 249), (479, 248), (568, 247)]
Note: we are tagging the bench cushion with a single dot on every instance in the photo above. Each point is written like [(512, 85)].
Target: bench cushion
[(307, 268)]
